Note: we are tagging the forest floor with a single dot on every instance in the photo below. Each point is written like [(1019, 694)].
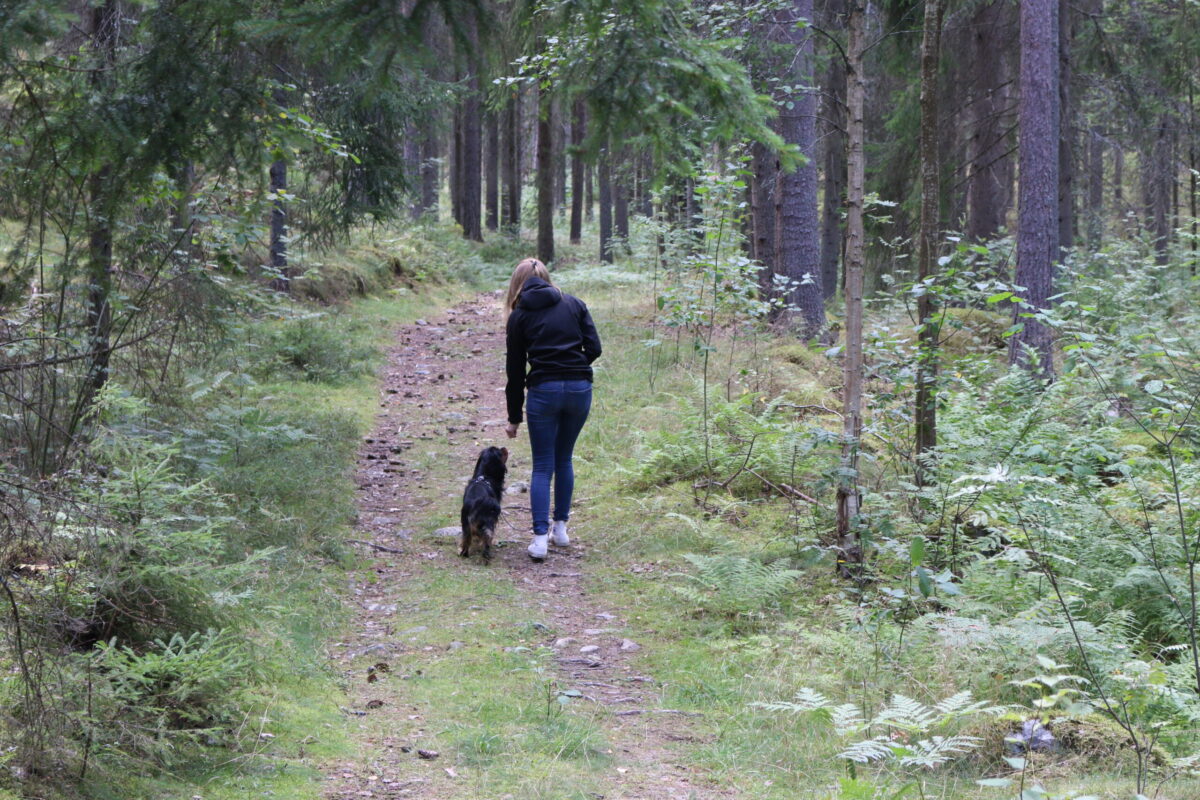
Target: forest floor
[(466, 679)]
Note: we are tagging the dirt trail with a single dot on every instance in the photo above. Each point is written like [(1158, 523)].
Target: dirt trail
[(444, 377)]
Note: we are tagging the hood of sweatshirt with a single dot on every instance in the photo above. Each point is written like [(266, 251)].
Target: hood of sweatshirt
[(538, 294)]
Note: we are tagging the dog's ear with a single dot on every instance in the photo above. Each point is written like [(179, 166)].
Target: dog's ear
[(504, 455)]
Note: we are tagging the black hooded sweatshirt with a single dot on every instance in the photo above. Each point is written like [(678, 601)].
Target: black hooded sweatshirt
[(555, 333)]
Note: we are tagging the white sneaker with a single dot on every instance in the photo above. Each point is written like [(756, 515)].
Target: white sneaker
[(558, 534), (537, 547)]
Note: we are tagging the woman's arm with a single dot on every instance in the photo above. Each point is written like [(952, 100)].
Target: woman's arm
[(514, 390), (591, 339)]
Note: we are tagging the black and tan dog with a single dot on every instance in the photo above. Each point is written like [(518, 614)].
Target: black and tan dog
[(481, 500)]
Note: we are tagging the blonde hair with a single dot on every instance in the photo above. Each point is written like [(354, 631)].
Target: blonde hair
[(526, 269)]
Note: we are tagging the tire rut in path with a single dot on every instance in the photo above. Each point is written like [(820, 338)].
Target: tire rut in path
[(444, 377)]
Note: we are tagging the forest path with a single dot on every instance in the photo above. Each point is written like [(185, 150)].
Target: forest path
[(468, 660)]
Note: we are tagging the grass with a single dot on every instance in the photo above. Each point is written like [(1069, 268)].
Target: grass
[(297, 495), (719, 666), (490, 704)]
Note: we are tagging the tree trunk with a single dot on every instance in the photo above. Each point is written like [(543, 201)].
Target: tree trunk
[(848, 496), (104, 23), (620, 195), (281, 282), (184, 174), (472, 140), (412, 168), (762, 210), (1066, 133), (925, 408), (1158, 173), (510, 211), (545, 179), (429, 171), (1193, 171), (577, 120), (561, 137), (491, 170), (989, 167), (456, 156), (833, 200), (1037, 223), (589, 199), (645, 181), (1095, 213), (1119, 181), (604, 179), (799, 254)]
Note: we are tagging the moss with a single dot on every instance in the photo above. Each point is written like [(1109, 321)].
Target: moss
[(973, 330), (1093, 738), (801, 355), (800, 386), (1138, 442)]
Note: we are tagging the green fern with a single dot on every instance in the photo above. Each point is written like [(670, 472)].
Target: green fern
[(735, 586), (903, 714)]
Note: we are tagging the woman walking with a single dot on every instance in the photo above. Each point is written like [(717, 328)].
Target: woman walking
[(554, 333)]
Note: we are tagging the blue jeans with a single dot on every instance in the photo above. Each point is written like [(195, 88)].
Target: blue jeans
[(555, 412)]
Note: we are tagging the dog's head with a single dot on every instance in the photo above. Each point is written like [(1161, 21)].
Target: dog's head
[(492, 463)]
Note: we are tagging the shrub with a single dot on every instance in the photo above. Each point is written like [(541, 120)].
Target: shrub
[(313, 347)]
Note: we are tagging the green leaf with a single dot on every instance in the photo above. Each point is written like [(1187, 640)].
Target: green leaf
[(997, 782), (916, 551), (1016, 763), (1153, 387), (923, 582), (998, 296)]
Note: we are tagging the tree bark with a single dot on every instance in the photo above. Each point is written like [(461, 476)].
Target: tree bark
[(491, 171), (281, 281), (183, 175), (848, 496), (1066, 132), (1158, 174), (429, 172), (1095, 212), (925, 408), (989, 164), (455, 171), (1037, 223), (104, 25), (833, 199), (545, 179), (589, 199), (604, 179), (762, 186), (577, 122), (561, 137), (510, 211), (620, 195), (799, 254), (1193, 170), (645, 203), (472, 140)]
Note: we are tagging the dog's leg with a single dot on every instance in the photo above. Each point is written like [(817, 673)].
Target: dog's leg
[(464, 539), (486, 535)]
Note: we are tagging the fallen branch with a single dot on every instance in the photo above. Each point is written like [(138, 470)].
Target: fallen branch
[(378, 547), (783, 488), (635, 711)]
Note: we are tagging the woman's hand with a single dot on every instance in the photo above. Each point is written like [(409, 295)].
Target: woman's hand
[(511, 430)]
